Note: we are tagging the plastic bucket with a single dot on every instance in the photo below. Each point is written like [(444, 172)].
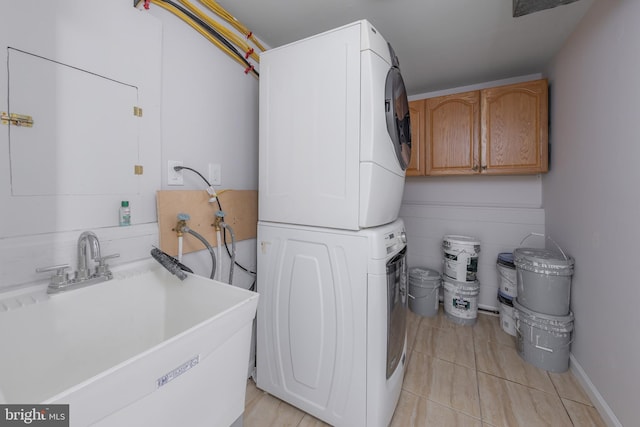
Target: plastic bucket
[(507, 316), (461, 257), (461, 301), (543, 340), (423, 291), (508, 278), (543, 280)]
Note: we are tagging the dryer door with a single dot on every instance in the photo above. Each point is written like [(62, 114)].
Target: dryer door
[(397, 111), (397, 302)]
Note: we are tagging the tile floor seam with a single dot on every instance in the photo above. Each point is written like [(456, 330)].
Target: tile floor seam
[(555, 387), (578, 401), (517, 382), (449, 407), (412, 347), (441, 403), (475, 417), (532, 400), (524, 385), (486, 370), (475, 361), (567, 412), (415, 335), (433, 356)]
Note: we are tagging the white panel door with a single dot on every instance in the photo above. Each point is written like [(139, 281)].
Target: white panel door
[(84, 130)]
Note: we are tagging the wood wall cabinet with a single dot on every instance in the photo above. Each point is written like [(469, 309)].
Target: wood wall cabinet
[(515, 129), (500, 130), (452, 137)]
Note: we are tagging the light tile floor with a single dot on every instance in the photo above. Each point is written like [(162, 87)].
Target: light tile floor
[(459, 376)]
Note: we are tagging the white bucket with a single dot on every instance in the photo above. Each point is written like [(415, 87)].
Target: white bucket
[(461, 257), (507, 271), (424, 284), (543, 340), (507, 316), (461, 301)]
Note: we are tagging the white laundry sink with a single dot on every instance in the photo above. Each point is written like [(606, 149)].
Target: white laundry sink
[(142, 349)]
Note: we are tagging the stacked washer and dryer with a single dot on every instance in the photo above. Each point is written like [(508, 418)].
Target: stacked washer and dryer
[(332, 273)]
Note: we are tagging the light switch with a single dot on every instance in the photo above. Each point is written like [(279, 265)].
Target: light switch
[(174, 177), (215, 174)]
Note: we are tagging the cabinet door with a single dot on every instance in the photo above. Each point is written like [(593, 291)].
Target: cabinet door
[(515, 128), (416, 115), (452, 133)]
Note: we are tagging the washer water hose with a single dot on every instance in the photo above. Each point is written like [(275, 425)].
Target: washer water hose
[(217, 200), (186, 229), (233, 249), (219, 240)]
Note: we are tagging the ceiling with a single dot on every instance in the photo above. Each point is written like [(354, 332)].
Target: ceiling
[(441, 44)]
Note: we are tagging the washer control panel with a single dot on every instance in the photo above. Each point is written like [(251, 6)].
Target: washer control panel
[(395, 241)]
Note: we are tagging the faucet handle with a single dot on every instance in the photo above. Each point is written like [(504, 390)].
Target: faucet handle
[(58, 279), (103, 268)]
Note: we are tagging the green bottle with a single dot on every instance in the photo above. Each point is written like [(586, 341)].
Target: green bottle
[(125, 213)]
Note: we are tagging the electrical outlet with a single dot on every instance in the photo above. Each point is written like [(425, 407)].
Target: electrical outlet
[(215, 174), (174, 177)]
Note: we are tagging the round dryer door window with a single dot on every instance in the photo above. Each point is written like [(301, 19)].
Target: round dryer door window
[(397, 112)]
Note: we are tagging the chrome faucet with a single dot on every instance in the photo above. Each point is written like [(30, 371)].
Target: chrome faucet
[(60, 280), (86, 238)]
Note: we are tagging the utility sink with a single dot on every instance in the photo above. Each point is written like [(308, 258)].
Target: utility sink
[(142, 349)]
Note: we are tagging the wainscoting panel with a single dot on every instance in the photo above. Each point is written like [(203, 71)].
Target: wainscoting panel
[(498, 229)]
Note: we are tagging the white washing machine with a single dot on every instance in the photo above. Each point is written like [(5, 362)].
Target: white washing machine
[(335, 136), (332, 320)]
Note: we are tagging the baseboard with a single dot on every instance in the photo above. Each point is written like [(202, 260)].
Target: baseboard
[(596, 398)]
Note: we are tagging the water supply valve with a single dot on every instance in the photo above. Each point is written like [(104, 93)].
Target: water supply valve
[(218, 219), (182, 223)]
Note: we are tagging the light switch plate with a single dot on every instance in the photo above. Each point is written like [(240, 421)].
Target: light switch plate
[(215, 174), (174, 177)]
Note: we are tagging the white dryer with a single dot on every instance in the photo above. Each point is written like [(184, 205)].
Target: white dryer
[(331, 323), (335, 136)]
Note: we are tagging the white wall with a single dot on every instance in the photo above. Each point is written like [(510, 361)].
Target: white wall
[(499, 229), (209, 115), (209, 108), (591, 206), (499, 210)]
